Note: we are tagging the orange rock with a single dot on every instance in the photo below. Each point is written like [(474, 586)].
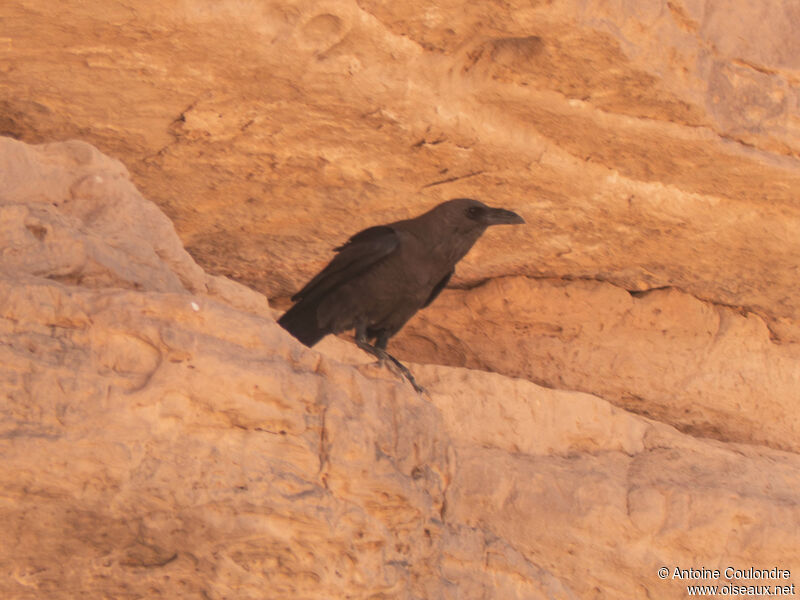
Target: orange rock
[(648, 144), (706, 369), (162, 438)]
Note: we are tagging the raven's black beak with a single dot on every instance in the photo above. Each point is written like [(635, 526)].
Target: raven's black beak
[(501, 216)]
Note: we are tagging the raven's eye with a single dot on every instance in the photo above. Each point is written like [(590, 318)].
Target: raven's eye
[(473, 211)]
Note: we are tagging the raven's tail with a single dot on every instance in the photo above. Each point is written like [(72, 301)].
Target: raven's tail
[(301, 322)]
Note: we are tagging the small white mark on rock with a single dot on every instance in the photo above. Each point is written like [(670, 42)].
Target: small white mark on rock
[(98, 179), (195, 306)]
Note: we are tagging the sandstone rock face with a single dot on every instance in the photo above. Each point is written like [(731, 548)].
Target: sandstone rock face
[(158, 441), (648, 143), (163, 438), (704, 368), (571, 497), (651, 145)]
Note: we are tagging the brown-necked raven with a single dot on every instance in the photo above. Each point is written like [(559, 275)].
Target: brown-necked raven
[(383, 275)]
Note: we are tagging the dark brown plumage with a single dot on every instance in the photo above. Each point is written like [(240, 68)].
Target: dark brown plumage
[(383, 275)]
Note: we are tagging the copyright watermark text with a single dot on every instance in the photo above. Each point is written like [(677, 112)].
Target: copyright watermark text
[(731, 581)]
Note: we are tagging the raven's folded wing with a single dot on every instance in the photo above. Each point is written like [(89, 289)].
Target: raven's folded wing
[(360, 252), (353, 258)]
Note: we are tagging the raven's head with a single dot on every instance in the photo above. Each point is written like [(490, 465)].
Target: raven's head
[(474, 213), (452, 227)]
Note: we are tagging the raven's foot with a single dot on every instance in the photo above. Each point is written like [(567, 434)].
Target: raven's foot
[(398, 367), (393, 364)]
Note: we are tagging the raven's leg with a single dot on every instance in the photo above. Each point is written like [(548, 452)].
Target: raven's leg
[(382, 340), (379, 351)]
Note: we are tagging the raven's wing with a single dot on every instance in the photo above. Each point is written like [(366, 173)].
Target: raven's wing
[(437, 289), (353, 258)]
